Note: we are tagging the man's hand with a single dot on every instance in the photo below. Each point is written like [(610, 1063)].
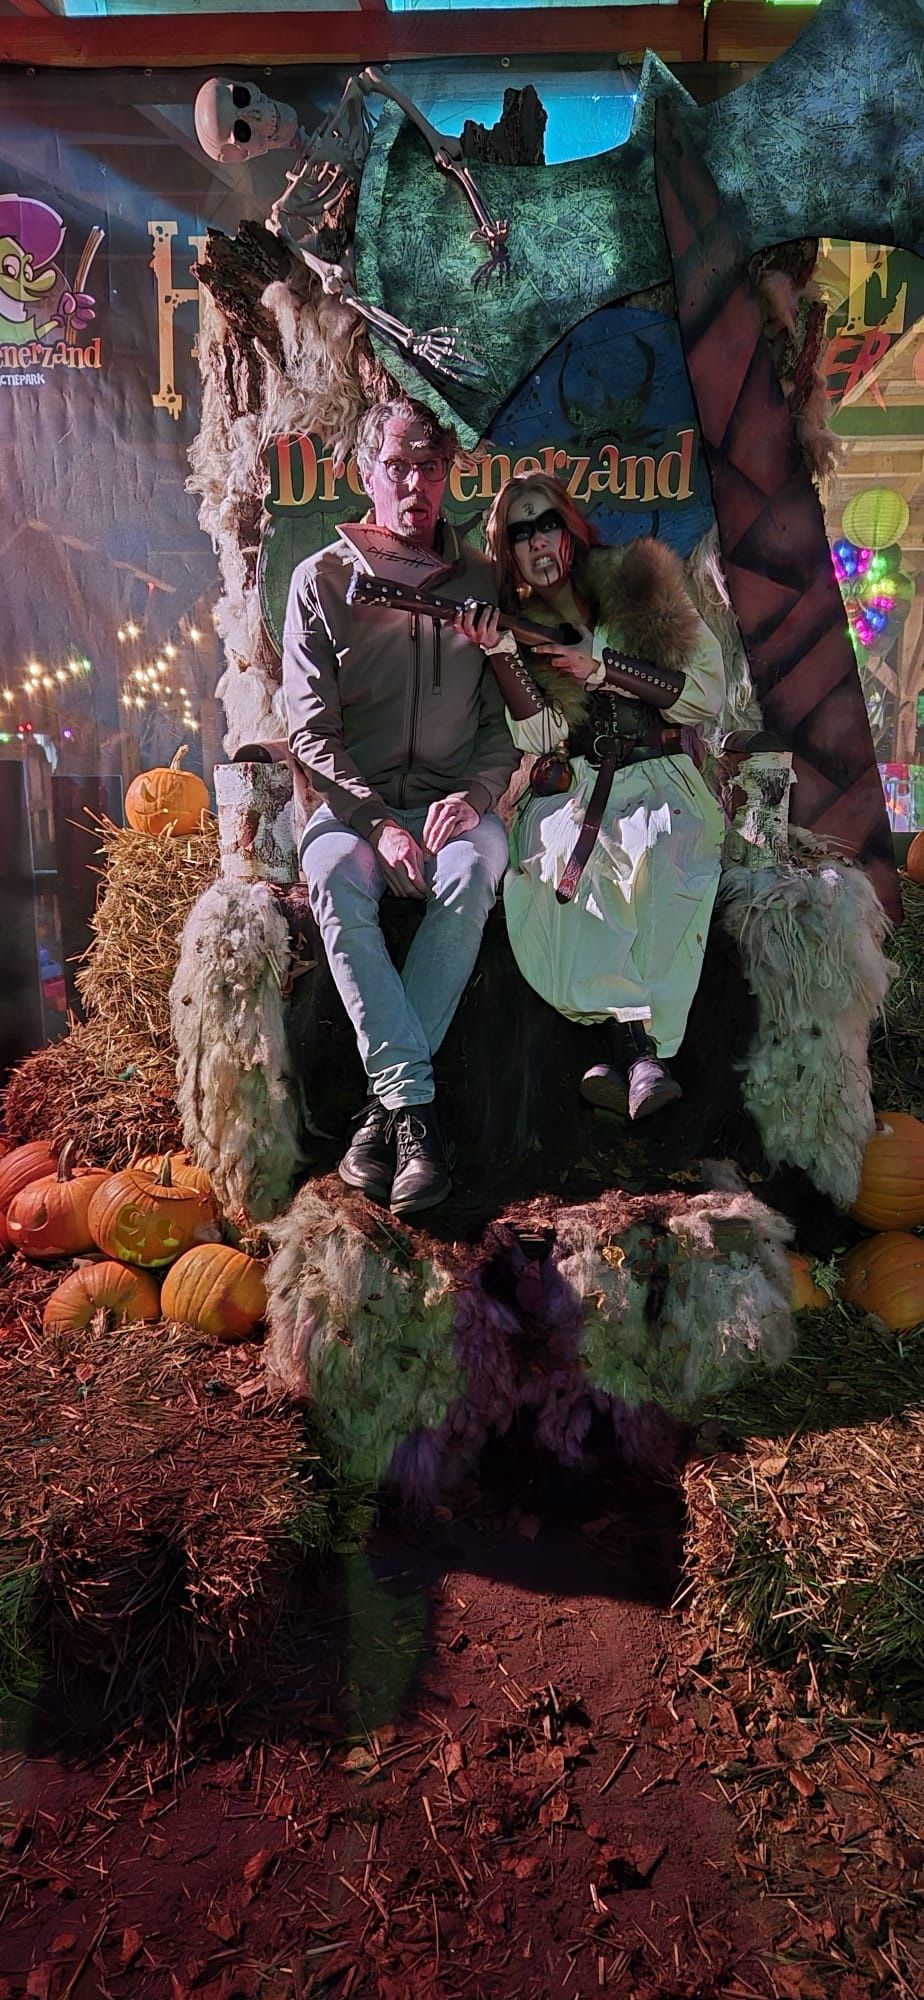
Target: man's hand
[(445, 819), (478, 622), (400, 859)]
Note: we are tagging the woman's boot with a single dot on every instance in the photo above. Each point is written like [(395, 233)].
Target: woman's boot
[(651, 1085), (605, 1085)]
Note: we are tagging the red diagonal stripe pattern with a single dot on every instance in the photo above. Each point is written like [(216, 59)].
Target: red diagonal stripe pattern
[(771, 527)]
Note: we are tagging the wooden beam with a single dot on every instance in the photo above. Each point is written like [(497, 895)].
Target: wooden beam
[(38, 9), (744, 31), (215, 41)]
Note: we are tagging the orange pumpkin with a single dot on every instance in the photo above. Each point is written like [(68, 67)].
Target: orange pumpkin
[(914, 860), (130, 1296), (24, 1164), (4, 1236), (804, 1292), (143, 1219), (216, 1290), (166, 800), (891, 1194), (183, 1171), (48, 1218), (885, 1275)]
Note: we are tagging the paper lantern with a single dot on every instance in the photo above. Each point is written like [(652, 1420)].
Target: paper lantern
[(875, 518)]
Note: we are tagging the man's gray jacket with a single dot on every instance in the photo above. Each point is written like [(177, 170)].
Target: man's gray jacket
[(388, 711)]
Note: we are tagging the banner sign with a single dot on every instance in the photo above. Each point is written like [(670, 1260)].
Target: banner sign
[(608, 412)]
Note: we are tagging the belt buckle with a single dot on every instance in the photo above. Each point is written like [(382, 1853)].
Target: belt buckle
[(605, 746)]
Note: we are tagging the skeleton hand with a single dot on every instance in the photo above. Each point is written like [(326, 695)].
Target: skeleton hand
[(494, 235), (437, 347)]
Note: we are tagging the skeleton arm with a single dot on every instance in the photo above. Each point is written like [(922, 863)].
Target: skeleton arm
[(447, 152), (371, 83), (436, 347)]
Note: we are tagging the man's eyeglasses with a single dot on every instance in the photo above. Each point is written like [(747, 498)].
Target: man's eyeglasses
[(398, 470), (544, 524)]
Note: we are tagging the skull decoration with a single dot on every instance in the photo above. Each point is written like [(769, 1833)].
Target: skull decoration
[(234, 121)]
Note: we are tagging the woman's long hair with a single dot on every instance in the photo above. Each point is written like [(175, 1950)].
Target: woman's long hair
[(510, 587)]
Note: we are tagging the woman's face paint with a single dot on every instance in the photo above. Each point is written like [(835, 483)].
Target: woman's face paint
[(539, 541)]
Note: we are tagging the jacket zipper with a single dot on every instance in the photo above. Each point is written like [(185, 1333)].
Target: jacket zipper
[(437, 656), (415, 698)]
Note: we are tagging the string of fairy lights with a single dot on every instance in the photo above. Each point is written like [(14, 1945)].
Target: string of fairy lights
[(153, 682), (40, 683), (149, 681)]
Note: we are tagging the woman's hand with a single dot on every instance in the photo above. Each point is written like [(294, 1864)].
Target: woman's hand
[(478, 622), (577, 661)]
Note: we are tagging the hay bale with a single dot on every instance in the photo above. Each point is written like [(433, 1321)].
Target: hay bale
[(150, 884), (110, 1082), (153, 1498), (805, 1535)]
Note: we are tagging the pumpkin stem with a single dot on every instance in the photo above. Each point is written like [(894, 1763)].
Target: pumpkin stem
[(65, 1159), (164, 1174), (176, 761)]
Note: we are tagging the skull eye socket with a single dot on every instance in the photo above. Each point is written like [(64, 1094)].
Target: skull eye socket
[(240, 96), (241, 131)]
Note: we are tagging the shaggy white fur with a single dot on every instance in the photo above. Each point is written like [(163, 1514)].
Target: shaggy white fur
[(409, 1368), (676, 1316), (811, 946), (321, 392), (368, 1338), (237, 1100)]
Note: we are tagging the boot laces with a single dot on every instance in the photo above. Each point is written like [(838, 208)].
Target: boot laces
[(409, 1132)]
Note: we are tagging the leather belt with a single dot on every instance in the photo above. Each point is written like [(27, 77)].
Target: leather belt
[(584, 845)]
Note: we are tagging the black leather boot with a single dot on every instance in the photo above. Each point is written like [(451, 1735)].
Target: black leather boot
[(605, 1084), (421, 1174), (369, 1161), (651, 1085)]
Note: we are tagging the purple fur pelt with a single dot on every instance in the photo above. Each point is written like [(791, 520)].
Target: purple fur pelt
[(517, 1338)]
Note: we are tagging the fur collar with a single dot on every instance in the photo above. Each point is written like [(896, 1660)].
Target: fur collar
[(640, 604)]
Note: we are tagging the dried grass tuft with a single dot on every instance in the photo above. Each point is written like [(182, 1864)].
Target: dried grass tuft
[(808, 1541), (898, 1040), (110, 1082)]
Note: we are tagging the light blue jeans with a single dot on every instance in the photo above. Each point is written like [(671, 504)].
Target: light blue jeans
[(400, 1018)]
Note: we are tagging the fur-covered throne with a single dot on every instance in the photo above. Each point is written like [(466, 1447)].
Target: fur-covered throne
[(412, 1344)]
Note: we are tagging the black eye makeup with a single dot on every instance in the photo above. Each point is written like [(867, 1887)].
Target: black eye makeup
[(544, 524)]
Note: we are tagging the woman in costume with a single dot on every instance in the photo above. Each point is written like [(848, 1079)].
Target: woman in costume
[(615, 849)]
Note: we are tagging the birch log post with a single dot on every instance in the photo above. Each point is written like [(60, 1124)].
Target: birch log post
[(758, 836), (255, 831)]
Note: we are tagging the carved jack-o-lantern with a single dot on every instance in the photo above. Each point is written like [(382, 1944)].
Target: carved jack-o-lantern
[(140, 1219), (166, 800)]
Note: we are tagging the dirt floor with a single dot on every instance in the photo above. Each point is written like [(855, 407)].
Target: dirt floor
[(470, 1778)]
